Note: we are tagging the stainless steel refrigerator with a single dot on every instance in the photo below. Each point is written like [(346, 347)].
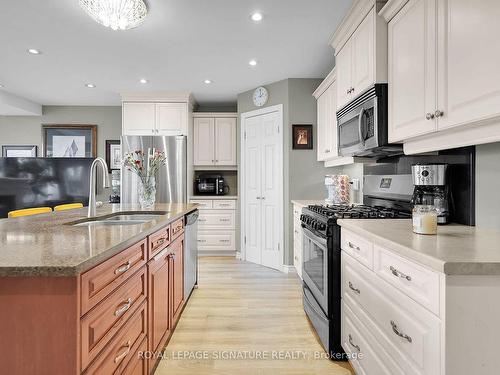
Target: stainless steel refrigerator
[(171, 182)]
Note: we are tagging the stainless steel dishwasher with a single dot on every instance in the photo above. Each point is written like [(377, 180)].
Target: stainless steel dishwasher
[(191, 253)]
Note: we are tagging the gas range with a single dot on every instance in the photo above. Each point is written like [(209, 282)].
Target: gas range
[(319, 218)]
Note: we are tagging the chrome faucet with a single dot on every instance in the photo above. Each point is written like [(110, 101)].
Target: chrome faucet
[(93, 175)]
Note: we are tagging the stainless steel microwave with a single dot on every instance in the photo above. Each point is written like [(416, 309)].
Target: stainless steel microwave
[(363, 125)]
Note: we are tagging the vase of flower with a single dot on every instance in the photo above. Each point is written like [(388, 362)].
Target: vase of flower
[(146, 167)]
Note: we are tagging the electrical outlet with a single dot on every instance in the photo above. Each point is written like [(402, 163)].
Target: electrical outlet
[(354, 184)]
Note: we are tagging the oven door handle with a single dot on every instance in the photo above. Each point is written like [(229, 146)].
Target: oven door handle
[(360, 126), (319, 240)]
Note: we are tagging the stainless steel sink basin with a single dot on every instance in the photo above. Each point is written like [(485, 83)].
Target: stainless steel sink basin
[(120, 218)]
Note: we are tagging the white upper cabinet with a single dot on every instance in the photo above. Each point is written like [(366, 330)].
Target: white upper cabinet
[(171, 118), (164, 114), (138, 118), (412, 71), (204, 142), (360, 45), (468, 61), (214, 140), (456, 87), (225, 141)]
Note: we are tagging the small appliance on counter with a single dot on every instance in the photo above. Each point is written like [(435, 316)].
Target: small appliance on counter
[(431, 189), (337, 187), (210, 184)]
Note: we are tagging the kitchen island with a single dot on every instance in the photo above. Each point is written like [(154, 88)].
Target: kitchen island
[(418, 304), (88, 298)]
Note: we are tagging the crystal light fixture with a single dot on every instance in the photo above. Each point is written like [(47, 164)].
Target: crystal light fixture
[(116, 14)]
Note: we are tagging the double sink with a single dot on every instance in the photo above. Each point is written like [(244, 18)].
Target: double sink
[(120, 218)]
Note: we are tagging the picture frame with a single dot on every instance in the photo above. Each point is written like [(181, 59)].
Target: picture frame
[(302, 137), (69, 141), (19, 151), (113, 155)]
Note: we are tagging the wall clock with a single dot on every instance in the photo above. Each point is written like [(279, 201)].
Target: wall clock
[(260, 96)]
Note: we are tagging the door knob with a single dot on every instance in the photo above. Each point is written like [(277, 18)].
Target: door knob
[(438, 113), (429, 116)]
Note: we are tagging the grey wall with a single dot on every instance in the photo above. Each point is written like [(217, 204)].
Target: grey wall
[(26, 130), (303, 175)]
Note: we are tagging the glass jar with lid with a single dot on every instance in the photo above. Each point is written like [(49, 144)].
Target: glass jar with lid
[(425, 219)]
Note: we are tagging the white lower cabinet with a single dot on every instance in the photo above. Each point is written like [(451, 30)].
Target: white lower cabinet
[(297, 239), (216, 226)]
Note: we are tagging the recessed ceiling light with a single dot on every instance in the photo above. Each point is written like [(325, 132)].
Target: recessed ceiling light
[(143, 80), (34, 51), (252, 62), (1, 86), (90, 85), (256, 17), (207, 81)]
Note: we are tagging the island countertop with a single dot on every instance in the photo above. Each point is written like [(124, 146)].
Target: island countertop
[(455, 250), (45, 245)]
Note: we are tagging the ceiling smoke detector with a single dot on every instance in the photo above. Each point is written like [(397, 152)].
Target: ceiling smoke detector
[(116, 14)]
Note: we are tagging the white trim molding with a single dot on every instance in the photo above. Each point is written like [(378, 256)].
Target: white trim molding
[(330, 78), (215, 114)]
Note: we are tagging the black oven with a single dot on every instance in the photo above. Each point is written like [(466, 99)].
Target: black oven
[(363, 125)]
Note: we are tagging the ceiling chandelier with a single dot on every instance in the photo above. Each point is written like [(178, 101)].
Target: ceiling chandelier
[(116, 14)]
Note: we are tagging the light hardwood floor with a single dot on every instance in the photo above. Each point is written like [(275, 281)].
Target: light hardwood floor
[(243, 309)]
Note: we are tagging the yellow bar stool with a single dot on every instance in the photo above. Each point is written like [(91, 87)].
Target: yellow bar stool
[(69, 206), (29, 212)]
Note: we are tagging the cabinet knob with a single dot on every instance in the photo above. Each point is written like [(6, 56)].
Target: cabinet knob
[(429, 116), (327, 151), (438, 113)]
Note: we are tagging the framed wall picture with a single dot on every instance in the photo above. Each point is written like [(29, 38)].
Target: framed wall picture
[(69, 141), (113, 155), (302, 137), (19, 151)]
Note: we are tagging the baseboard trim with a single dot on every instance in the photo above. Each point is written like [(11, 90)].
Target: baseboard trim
[(289, 269)]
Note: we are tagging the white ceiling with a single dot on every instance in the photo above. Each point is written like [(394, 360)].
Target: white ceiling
[(180, 44)]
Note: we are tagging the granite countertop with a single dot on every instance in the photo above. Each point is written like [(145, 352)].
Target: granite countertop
[(455, 250), (307, 202), (44, 245)]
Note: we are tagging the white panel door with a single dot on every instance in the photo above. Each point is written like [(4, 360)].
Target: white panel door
[(344, 72), (272, 193), (138, 118), (225, 141), (171, 119), (468, 61), (412, 70), (327, 124), (362, 44), (203, 141), (253, 189)]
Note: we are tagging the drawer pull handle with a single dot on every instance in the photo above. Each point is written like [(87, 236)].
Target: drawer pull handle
[(202, 220), (120, 356), (353, 344), (225, 241), (202, 241), (160, 242), (398, 273), (124, 308), (352, 246), (123, 268), (225, 220), (400, 334), (355, 290)]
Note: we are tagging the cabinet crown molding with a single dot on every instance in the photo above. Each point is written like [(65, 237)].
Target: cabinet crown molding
[(353, 18), (215, 114), (330, 78), (159, 96), (391, 8)]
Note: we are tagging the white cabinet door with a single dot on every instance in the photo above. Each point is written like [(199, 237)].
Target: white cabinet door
[(171, 119), (468, 56), (322, 108), (138, 118), (362, 50), (203, 141), (344, 72), (412, 70), (225, 141)]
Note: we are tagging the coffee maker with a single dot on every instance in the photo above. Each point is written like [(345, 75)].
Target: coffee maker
[(430, 188)]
